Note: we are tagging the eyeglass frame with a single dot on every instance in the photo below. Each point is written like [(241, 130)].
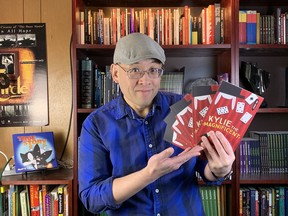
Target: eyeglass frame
[(142, 72)]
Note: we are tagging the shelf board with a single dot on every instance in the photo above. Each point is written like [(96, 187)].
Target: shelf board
[(264, 179), (57, 176), (274, 3), (273, 110), (263, 50), (85, 110), (170, 50), (145, 3)]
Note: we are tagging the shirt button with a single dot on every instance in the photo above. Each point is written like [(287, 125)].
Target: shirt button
[(150, 145), (146, 122), (157, 190)]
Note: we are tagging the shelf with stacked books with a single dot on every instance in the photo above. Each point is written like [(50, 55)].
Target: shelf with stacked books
[(215, 57), (267, 54)]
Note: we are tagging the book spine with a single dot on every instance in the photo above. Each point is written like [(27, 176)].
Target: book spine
[(86, 83), (61, 200), (23, 203), (48, 204), (242, 27), (217, 23), (34, 200), (251, 27)]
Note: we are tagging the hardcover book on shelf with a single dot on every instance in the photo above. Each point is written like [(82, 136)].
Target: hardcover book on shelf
[(251, 26), (87, 82), (242, 27), (4, 199), (172, 82), (34, 200), (24, 202), (34, 151)]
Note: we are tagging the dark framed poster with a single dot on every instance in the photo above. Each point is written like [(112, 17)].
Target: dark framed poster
[(23, 75)]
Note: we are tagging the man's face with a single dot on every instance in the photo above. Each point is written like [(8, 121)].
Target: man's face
[(138, 93)]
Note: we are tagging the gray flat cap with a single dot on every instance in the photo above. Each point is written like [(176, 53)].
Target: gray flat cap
[(136, 47)]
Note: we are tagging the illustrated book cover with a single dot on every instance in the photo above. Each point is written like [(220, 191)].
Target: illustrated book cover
[(23, 75), (227, 108), (34, 151)]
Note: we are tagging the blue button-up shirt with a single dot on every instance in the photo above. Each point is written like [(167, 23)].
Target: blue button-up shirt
[(115, 142)]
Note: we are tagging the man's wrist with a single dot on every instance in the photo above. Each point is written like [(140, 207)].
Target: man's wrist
[(226, 177)]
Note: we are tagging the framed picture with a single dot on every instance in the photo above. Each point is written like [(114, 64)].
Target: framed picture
[(23, 75)]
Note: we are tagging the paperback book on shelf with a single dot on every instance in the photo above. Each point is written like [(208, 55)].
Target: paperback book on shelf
[(227, 108), (34, 151)]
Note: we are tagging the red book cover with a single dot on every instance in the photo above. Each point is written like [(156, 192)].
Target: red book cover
[(204, 23), (242, 27), (226, 108), (203, 96), (34, 200), (231, 112), (210, 16)]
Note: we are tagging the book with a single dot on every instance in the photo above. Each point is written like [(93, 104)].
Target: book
[(66, 200), (4, 208), (61, 200), (251, 27), (172, 82), (217, 23), (54, 201), (34, 200), (24, 202), (231, 111), (242, 27), (87, 83), (34, 151)]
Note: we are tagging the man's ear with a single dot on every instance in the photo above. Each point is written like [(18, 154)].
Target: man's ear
[(114, 72)]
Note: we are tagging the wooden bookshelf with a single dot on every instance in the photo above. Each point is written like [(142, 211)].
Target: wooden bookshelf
[(46, 177), (218, 58)]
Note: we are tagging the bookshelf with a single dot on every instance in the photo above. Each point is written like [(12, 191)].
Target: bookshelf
[(51, 177), (272, 58), (200, 60)]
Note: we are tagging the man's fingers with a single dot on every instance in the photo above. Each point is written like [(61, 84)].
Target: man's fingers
[(166, 153)]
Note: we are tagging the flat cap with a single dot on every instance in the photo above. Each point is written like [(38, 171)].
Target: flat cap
[(136, 47)]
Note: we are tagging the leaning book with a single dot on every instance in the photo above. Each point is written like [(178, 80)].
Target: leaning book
[(34, 151)]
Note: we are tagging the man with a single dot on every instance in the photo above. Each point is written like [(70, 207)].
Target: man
[(125, 166)]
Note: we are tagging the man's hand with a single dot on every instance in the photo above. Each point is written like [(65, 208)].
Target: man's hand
[(162, 163), (219, 153)]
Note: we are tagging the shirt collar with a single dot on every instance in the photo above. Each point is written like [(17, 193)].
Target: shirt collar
[(124, 109)]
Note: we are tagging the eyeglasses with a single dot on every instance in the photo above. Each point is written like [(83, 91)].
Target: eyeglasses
[(136, 73)]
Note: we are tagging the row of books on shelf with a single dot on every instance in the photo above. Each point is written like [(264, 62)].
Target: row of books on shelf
[(34, 200), (214, 200), (265, 152), (264, 201), (98, 88), (167, 26), (256, 28)]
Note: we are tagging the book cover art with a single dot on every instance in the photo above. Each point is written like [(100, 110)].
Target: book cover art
[(23, 75), (34, 151), (230, 110)]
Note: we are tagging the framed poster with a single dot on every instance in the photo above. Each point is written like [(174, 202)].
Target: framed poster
[(23, 75)]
